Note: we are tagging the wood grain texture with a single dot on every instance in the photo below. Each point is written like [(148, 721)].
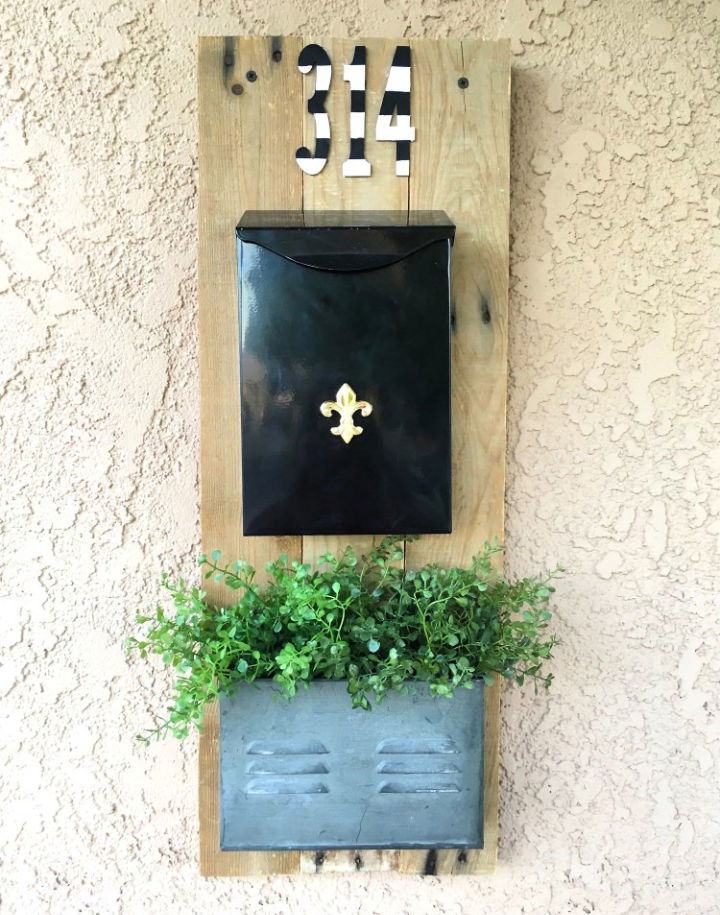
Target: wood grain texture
[(459, 163), (347, 862), (383, 190), (465, 171), (237, 132), (329, 190)]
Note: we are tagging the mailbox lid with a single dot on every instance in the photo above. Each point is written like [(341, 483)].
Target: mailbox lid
[(345, 242), (377, 320)]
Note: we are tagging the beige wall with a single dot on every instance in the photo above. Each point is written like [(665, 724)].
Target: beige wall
[(609, 785)]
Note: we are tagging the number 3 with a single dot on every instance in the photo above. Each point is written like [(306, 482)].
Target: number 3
[(314, 56)]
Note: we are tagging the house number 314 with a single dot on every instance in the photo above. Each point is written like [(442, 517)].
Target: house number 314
[(395, 105)]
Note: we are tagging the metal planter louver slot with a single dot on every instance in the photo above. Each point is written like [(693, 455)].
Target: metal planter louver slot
[(314, 773)]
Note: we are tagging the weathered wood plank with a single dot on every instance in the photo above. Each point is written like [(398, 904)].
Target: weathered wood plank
[(347, 862), (465, 171), (329, 190), (383, 190), (237, 133)]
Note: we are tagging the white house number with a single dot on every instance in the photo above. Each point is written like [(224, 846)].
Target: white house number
[(395, 107)]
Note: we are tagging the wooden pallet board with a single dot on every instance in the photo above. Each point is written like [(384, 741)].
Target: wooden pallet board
[(248, 133)]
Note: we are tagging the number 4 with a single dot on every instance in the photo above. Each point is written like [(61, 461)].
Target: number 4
[(397, 99)]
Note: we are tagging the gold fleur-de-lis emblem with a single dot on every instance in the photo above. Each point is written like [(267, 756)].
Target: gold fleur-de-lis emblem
[(346, 404)]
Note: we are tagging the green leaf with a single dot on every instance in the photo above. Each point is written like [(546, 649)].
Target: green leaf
[(442, 626)]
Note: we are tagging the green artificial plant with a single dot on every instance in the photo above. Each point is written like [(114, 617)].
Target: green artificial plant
[(364, 619)]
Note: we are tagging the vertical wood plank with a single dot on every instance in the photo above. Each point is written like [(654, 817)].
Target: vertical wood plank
[(329, 190), (237, 132), (465, 170), (382, 190)]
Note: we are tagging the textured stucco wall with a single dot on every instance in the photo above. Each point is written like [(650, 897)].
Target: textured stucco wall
[(609, 788)]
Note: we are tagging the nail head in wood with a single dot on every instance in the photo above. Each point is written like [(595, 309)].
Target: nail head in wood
[(251, 76), (236, 89), (463, 82)]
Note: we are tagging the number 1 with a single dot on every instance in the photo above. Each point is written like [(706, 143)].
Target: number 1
[(357, 166)]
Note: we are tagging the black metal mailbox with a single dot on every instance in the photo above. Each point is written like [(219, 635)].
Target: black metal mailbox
[(345, 372)]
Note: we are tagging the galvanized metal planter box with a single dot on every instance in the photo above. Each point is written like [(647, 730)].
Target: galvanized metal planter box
[(314, 773)]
